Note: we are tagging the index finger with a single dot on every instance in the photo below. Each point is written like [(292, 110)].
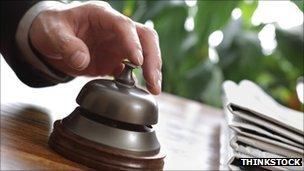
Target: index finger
[(125, 30)]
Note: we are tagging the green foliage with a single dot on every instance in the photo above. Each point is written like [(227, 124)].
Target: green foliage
[(211, 16), (247, 11), (187, 70)]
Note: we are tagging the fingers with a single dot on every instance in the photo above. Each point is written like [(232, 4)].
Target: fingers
[(126, 32), (131, 41), (140, 42), (152, 58)]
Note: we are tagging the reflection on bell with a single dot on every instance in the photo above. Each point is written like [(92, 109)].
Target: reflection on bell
[(112, 127)]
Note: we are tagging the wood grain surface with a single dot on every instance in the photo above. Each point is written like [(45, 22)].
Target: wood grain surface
[(188, 131)]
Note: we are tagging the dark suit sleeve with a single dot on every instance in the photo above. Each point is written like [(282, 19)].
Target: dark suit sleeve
[(11, 14)]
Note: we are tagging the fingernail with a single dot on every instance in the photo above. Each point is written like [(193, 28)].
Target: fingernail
[(78, 60), (139, 57)]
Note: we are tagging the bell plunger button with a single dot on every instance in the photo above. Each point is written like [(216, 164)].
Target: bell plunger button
[(126, 77)]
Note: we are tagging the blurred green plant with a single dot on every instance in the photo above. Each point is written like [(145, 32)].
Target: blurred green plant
[(187, 70)]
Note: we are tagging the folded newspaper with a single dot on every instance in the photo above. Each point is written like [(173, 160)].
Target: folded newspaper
[(259, 127)]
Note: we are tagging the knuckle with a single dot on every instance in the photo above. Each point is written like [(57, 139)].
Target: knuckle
[(90, 6), (123, 22), (100, 4), (150, 31), (126, 21), (104, 4), (97, 5)]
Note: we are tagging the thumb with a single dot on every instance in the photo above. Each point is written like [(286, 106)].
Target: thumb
[(73, 50)]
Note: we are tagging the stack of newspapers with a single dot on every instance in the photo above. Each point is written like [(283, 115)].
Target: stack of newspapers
[(259, 128)]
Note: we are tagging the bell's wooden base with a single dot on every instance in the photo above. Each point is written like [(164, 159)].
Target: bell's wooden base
[(98, 156)]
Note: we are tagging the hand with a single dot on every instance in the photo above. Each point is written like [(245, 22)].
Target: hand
[(94, 39)]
